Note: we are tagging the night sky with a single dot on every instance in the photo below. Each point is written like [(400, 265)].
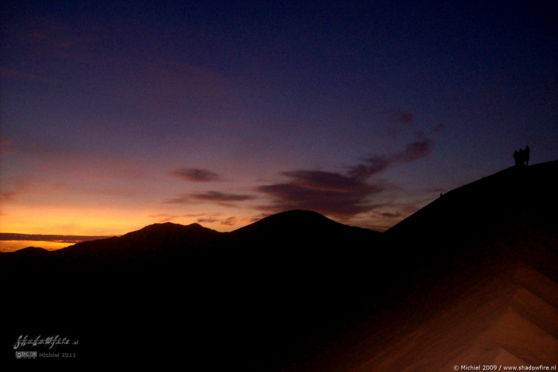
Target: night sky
[(117, 115)]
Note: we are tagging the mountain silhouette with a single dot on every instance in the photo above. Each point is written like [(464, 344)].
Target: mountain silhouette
[(295, 221), (30, 251), (271, 286), (154, 242), (298, 291)]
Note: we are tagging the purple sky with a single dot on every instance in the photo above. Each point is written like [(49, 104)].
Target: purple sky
[(115, 116)]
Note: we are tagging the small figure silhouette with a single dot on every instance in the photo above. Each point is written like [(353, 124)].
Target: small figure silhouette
[(516, 158), (521, 157)]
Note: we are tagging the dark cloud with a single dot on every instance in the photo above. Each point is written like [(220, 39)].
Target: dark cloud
[(413, 151), (291, 196), (207, 220), (338, 194), (399, 121), (326, 192), (378, 163), (370, 166), (200, 217), (390, 214), (183, 199), (221, 197), (196, 175)]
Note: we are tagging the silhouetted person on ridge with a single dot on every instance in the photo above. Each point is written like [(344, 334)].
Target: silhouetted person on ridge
[(519, 157), (516, 158)]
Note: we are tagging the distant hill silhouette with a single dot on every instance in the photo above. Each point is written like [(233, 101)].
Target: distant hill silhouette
[(30, 251), (153, 242), (293, 291), (294, 267)]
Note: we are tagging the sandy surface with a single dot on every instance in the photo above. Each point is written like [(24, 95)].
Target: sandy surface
[(511, 319)]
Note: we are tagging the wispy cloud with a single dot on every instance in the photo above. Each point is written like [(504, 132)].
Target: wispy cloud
[(196, 175), (163, 217), (378, 163), (205, 217), (229, 221), (7, 195), (390, 214), (18, 186), (182, 199), (194, 214), (221, 197), (326, 192), (340, 194), (207, 220), (210, 196), (398, 121)]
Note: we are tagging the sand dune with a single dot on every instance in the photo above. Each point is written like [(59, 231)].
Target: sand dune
[(505, 358), (510, 320)]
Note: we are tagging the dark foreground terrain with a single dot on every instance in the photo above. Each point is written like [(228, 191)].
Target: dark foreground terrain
[(470, 277)]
